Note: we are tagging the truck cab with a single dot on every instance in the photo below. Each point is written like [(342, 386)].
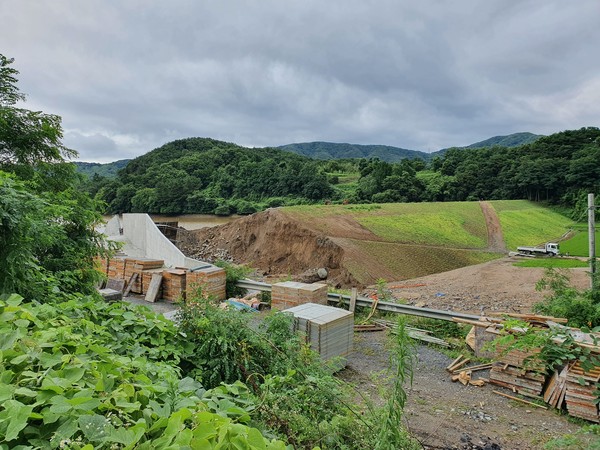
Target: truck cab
[(552, 247)]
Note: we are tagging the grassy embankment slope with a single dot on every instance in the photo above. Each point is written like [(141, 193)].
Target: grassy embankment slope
[(408, 240), (525, 223)]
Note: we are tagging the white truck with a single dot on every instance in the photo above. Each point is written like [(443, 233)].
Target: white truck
[(549, 248)]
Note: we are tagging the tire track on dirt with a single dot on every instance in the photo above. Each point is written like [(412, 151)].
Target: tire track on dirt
[(494, 228)]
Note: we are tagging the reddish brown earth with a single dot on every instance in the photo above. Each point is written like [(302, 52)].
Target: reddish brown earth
[(270, 242)]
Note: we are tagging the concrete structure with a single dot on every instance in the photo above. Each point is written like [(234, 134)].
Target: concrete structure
[(142, 238), (143, 245)]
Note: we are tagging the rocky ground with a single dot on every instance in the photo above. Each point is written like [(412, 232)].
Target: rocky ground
[(443, 414), (494, 286)]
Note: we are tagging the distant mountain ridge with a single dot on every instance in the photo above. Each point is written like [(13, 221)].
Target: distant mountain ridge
[(512, 140), (108, 170), (332, 150)]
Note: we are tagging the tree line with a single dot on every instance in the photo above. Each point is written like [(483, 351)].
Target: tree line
[(557, 169), (201, 175)]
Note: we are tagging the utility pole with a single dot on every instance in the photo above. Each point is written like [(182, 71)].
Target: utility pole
[(592, 239)]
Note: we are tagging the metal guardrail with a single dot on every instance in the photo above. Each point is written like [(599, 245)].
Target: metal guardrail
[(368, 303)]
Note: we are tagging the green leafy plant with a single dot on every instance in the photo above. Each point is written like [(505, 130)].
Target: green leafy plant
[(581, 308), (233, 274)]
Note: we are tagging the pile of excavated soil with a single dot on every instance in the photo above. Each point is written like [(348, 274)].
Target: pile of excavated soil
[(270, 242)]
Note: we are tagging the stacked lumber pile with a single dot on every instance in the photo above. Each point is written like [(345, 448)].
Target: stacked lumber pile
[(173, 284), (211, 280), (520, 372), (136, 266), (116, 268), (580, 394), (290, 293), (572, 386)]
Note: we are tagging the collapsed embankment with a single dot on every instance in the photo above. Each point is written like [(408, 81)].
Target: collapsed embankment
[(271, 242)]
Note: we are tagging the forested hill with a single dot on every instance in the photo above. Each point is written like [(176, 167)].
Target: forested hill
[(508, 141), (201, 175), (512, 140), (104, 170), (331, 150)]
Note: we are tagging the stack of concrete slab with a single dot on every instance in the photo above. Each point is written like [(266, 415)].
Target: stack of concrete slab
[(290, 293), (328, 330)]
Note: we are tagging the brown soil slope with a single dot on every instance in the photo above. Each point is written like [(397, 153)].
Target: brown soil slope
[(270, 242), (276, 243)]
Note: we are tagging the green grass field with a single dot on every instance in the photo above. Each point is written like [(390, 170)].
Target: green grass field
[(552, 263), (417, 239), (451, 224), (528, 224), (578, 244)]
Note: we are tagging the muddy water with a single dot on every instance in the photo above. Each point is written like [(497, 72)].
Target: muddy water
[(191, 221), (195, 221)]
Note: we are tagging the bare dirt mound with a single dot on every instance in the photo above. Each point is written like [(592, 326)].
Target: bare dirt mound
[(494, 228), (493, 286), (271, 242)]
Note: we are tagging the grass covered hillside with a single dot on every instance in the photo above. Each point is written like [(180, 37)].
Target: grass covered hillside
[(526, 223), (408, 240)]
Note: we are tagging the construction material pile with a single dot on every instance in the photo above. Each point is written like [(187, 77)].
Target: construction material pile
[(572, 385)]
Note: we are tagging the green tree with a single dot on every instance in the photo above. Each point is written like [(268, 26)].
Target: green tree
[(26, 137), (47, 235)]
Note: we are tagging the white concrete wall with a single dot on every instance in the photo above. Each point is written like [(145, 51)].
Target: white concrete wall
[(112, 227), (140, 230)]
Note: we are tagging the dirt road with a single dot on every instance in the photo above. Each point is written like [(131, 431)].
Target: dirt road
[(490, 287)]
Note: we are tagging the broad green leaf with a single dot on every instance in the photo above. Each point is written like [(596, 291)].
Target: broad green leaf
[(6, 392), (19, 415), (96, 428), (26, 392), (255, 439), (65, 430), (19, 359), (14, 300), (73, 374), (200, 444), (8, 339)]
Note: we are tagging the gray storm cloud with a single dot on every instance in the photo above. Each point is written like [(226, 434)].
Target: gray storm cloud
[(128, 76)]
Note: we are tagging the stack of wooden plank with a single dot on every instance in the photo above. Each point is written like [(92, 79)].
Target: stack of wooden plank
[(116, 268), (519, 371), (138, 266), (211, 280), (173, 284), (556, 388), (290, 293), (580, 392)]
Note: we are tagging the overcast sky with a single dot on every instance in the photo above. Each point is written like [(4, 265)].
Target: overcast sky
[(130, 75)]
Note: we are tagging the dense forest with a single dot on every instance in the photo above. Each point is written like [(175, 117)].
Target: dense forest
[(555, 169), (200, 175)]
